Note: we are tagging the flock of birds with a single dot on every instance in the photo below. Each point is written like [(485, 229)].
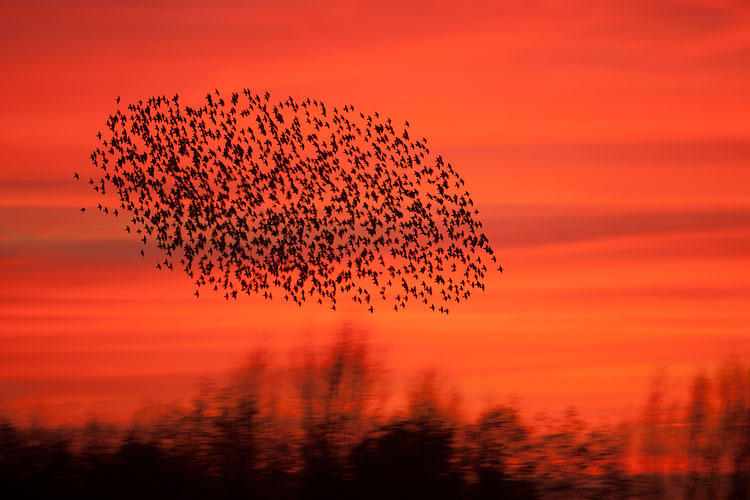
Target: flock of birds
[(293, 198)]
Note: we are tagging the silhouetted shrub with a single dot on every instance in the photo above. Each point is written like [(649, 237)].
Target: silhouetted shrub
[(407, 459)]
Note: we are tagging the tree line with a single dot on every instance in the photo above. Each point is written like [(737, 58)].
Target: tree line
[(320, 426)]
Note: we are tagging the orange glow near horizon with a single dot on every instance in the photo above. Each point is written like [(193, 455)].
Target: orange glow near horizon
[(605, 145)]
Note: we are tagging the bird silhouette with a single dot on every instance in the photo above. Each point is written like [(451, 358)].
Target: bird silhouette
[(249, 195)]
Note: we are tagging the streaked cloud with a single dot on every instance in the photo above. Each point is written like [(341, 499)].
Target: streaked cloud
[(605, 144)]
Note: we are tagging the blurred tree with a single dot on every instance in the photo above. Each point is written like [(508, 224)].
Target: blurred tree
[(734, 427), (500, 456), (338, 392), (701, 445)]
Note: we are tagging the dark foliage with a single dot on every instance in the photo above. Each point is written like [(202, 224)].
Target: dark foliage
[(327, 437)]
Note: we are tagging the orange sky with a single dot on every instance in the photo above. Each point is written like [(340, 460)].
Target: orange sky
[(605, 143)]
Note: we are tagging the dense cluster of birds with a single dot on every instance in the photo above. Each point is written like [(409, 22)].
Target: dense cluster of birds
[(293, 198)]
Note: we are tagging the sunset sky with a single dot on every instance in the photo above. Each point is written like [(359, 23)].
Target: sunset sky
[(605, 144)]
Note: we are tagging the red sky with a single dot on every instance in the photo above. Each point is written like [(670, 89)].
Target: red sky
[(605, 143)]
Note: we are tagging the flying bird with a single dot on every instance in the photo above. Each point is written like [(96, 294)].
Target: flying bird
[(318, 202)]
